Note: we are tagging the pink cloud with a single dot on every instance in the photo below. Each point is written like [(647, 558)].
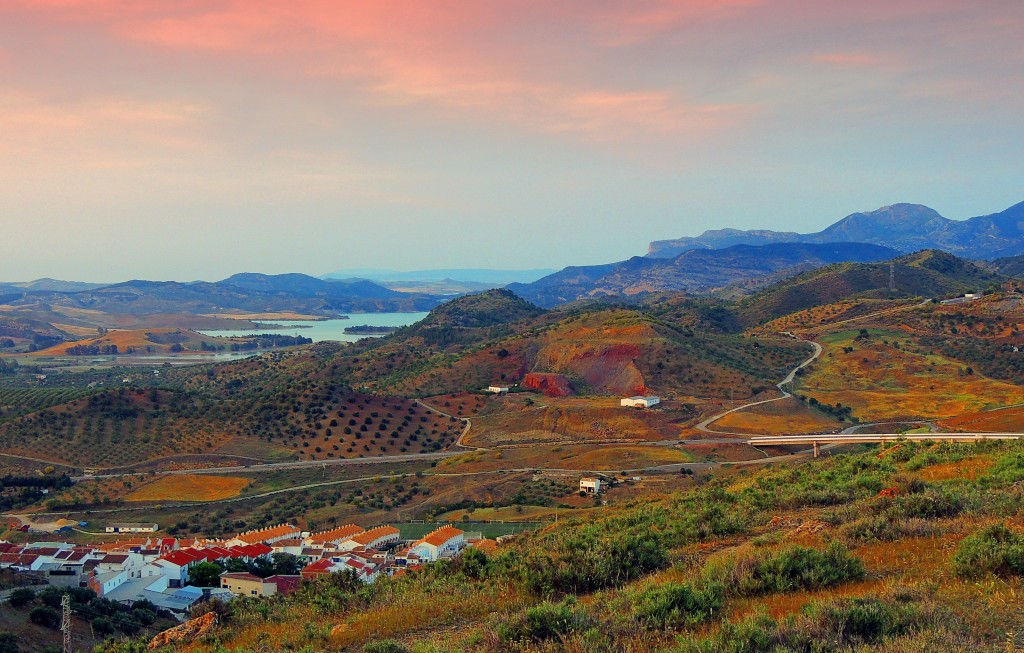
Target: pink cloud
[(491, 61), (848, 59)]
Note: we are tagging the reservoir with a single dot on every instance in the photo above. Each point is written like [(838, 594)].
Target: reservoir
[(319, 330)]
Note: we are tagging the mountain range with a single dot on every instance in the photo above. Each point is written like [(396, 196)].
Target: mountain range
[(695, 271), (905, 227), (245, 292)]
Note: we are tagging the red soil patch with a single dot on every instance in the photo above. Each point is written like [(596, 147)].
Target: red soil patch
[(552, 385)]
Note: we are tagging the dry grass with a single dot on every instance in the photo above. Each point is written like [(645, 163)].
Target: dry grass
[(784, 417), (190, 487), (971, 469), (995, 421)]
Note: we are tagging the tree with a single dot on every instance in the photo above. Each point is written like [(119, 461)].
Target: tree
[(102, 626), (44, 615), (8, 642), (205, 574), (22, 597)]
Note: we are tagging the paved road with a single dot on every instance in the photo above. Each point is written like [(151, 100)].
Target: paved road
[(705, 425), (298, 464)]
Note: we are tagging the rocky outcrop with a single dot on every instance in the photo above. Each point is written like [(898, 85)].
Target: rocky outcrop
[(189, 631)]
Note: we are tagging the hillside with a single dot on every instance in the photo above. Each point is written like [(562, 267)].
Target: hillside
[(905, 227), (1011, 266), (924, 274), (911, 549), (694, 271)]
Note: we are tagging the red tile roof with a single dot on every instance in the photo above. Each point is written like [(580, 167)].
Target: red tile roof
[(337, 534), (182, 557), (373, 534), (255, 537), (241, 575), (440, 536), (285, 584)]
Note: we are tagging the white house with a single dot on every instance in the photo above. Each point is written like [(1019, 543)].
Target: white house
[(132, 528), (591, 485), (444, 542), (640, 402), (375, 538), (497, 389)]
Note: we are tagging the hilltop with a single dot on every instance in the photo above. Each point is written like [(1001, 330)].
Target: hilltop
[(905, 227), (925, 274)]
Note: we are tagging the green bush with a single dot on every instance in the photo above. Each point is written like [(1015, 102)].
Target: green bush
[(385, 646), (8, 642), (546, 621), (994, 549), (22, 597), (841, 625), (44, 615), (102, 626), (671, 605), (791, 569)]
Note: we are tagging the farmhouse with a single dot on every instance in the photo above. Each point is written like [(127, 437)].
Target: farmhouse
[(640, 402), (132, 528), (590, 485), (497, 389)]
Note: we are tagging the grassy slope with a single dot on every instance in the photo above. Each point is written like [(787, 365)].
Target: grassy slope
[(645, 575)]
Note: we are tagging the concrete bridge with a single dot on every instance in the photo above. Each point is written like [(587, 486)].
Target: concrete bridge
[(816, 440)]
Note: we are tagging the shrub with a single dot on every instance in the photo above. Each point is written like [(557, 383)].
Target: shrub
[(8, 642), (385, 646), (44, 615), (22, 597), (545, 621), (791, 569), (994, 549), (841, 625), (102, 626), (885, 529), (671, 605)]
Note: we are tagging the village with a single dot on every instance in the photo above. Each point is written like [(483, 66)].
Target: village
[(175, 574)]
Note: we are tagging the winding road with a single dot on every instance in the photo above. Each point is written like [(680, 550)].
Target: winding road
[(705, 425)]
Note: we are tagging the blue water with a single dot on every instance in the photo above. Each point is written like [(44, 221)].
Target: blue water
[(327, 329)]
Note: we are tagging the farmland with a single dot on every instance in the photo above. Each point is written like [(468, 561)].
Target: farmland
[(884, 375), (189, 487)]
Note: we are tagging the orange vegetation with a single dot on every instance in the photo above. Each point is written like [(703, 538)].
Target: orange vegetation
[(994, 421), (783, 417), (882, 381), (190, 487), (971, 468)]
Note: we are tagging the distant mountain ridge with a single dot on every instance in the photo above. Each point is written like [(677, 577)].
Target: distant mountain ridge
[(696, 271), (247, 292), (465, 275), (905, 227)]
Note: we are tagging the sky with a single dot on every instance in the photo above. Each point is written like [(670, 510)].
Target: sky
[(192, 139)]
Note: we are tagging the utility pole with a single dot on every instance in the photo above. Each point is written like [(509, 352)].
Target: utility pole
[(65, 621)]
